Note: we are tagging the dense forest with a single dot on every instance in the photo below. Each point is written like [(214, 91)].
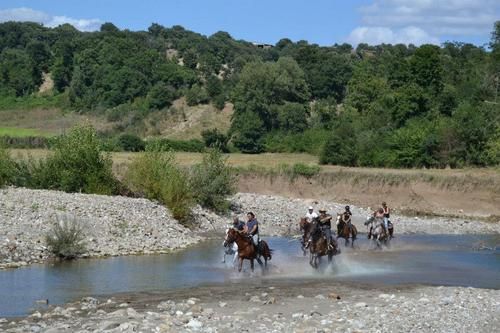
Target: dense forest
[(384, 105)]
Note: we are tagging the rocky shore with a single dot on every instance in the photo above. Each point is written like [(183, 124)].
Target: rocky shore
[(112, 225), (305, 307), (122, 226)]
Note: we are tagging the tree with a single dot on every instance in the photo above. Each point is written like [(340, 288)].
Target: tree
[(426, 68), (292, 117), (160, 96), (340, 148), (16, 72), (262, 87)]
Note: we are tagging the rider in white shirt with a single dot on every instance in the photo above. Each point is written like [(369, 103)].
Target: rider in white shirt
[(311, 214)]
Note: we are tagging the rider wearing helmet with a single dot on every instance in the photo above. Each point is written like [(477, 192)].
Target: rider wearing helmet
[(311, 214), (345, 218)]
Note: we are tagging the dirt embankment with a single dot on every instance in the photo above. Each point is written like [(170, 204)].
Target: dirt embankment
[(410, 192)]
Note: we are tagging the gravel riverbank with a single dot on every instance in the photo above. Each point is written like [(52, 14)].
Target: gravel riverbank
[(122, 226), (113, 225), (313, 306)]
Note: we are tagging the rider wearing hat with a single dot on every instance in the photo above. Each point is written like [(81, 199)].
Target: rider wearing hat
[(325, 223)]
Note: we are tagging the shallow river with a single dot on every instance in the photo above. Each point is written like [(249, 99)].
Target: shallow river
[(437, 260)]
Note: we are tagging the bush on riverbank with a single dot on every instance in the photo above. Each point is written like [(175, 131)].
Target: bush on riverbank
[(66, 238), (156, 175), (7, 167), (77, 165), (212, 181)]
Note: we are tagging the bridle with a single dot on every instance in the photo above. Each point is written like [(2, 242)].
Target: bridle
[(229, 238)]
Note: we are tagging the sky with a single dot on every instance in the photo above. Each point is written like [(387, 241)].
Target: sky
[(324, 22)]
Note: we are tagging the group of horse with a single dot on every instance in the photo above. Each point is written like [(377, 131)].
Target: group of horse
[(318, 244), (237, 243)]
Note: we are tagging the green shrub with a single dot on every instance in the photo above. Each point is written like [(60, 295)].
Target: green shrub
[(77, 165), (66, 238), (30, 142), (196, 95), (305, 170), (296, 170), (131, 142), (156, 175), (192, 146), (215, 139), (310, 141), (7, 168), (212, 181)]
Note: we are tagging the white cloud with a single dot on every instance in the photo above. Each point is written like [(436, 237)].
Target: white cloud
[(28, 14), (379, 35), (424, 21)]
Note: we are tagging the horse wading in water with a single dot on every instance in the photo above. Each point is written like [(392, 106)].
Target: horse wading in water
[(247, 250), (346, 231), (230, 249), (306, 227), (376, 231), (319, 246)]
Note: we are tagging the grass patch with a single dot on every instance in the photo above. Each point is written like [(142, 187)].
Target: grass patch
[(15, 132), (32, 102)]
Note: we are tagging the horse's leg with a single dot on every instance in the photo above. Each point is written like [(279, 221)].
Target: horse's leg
[(259, 261), (240, 265), (251, 264), (235, 258)]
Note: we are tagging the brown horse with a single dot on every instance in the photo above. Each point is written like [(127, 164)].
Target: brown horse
[(246, 248), (319, 247), (346, 231), (306, 227)]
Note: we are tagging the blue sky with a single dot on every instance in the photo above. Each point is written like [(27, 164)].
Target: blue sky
[(319, 21)]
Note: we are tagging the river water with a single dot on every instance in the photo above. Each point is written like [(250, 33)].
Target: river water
[(436, 260)]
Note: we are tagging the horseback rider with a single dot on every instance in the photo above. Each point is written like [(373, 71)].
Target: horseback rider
[(387, 213), (379, 214), (238, 224), (325, 223), (345, 218), (311, 214), (252, 228)]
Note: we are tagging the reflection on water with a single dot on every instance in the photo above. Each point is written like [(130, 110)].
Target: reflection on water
[(439, 260)]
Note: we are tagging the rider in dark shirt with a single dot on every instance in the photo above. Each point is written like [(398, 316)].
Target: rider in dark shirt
[(345, 219), (238, 224), (252, 228)]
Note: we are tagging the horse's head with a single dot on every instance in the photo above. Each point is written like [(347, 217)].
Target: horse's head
[(338, 217), (303, 223), (231, 234)]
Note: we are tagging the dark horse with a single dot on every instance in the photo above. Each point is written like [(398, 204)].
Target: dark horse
[(346, 231), (306, 227), (247, 250), (319, 247)]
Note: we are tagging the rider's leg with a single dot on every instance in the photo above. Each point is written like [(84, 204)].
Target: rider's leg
[(255, 239), (386, 220), (328, 234)]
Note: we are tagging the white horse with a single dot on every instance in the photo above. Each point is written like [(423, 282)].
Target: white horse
[(230, 249), (376, 231)]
